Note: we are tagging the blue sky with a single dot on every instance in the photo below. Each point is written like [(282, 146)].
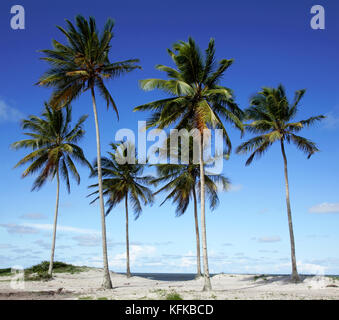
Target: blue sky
[(271, 43)]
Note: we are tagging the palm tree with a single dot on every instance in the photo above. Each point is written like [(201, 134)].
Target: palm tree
[(80, 65), (124, 182), (182, 182), (272, 118), (54, 145), (197, 101)]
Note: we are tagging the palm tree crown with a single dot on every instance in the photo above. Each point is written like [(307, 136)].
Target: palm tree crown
[(121, 180), (83, 62), (54, 145), (272, 118), (197, 101), (182, 180)]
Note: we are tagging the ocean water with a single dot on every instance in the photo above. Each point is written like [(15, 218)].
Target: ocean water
[(167, 276), (189, 276)]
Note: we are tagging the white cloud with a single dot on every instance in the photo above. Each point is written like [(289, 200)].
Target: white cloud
[(263, 211), (235, 187), (187, 261), (331, 121), (317, 236), (137, 256), (269, 239), (66, 204), (269, 251), (43, 244), (6, 246), (8, 113), (311, 268), (325, 207), (60, 228), (95, 239), (88, 240), (227, 244), (19, 229), (33, 216)]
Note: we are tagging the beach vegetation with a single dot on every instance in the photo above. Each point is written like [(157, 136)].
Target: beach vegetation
[(173, 296), (5, 272)]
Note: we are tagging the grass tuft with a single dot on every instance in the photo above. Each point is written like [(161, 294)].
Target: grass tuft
[(174, 296), (85, 298), (261, 276)]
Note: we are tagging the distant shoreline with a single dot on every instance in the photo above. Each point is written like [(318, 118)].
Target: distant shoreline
[(178, 276)]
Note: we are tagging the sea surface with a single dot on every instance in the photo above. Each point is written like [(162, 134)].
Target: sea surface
[(187, 276), (167, 276)]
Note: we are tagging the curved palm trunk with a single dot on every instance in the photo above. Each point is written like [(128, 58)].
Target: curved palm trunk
[(197, 233), (50, 268), (128, 271), (207, 283), (107, 283), (295, 276)]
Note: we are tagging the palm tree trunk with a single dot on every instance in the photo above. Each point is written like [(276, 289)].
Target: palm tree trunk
[(197, 233), (128, 271), (50, 269), (207, 283), (107, 283), (295, 276)]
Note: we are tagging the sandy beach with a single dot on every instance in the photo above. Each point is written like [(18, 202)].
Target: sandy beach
[(86, 286)]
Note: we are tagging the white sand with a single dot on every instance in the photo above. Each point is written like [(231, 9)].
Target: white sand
[(86, 285)]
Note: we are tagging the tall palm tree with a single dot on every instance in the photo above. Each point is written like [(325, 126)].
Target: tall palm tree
[(54, 144), (124, 182), (79, 65), (182, 182), (197, 101), (272, 118)]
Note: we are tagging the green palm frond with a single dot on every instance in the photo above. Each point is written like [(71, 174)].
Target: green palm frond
[(271, 117), (181, 180), (53, 141), (197, 100), (82, 62), (121, 180)]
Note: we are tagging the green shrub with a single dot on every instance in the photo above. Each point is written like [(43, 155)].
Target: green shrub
[(174, 296), (85, 298), (58, 267), (5, 272), (39, 272), (40, 276), (262, 276)]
